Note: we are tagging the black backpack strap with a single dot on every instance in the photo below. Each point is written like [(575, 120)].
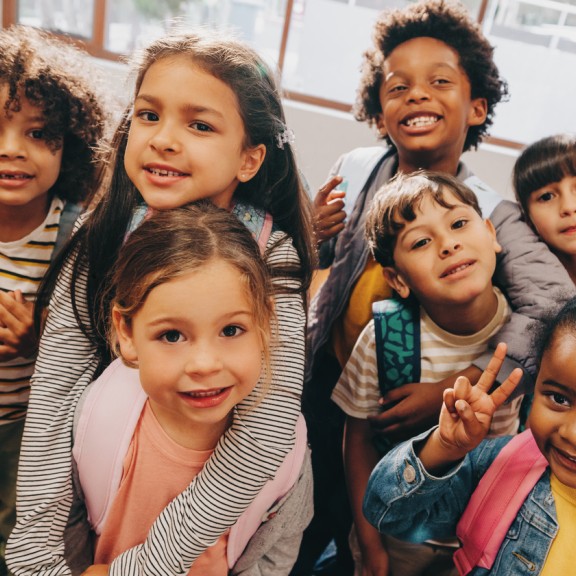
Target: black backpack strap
[(68, 218)]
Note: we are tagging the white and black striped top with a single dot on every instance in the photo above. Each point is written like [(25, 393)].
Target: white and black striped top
[(245, 458)]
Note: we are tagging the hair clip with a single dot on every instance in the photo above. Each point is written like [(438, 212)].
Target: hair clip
[(285, 137)]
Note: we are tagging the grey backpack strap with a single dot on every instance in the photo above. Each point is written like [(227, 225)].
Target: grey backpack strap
[(68, 218)]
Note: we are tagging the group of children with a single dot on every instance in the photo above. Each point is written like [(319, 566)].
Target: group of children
[(191, 265)]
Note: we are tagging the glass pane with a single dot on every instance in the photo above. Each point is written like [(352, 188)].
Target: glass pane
[(326, 42), (134, 23), (74, 17), (536, 52)]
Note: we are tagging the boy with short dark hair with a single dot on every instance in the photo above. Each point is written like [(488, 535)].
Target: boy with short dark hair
[(430, 86), (426, 231)]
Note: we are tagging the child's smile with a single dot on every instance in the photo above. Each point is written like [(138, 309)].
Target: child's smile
[(553, 413), (187, 138), (198, 350), (28, 166), (426, 105)]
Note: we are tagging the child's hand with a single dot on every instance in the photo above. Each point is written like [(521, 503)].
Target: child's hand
[(467, 412), (17, 334), (96, 570), (329, 212)]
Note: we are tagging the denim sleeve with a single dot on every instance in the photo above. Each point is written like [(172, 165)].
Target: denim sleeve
[(402, 499)]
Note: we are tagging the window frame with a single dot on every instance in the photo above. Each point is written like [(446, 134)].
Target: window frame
[(96, 47)]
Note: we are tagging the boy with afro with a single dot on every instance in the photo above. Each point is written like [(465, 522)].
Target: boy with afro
[(51, 121), (430, 87)]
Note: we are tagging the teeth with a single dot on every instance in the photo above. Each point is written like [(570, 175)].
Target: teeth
[(157, 172), (14, 176), (205, 394), (460, 268), (421, 121)]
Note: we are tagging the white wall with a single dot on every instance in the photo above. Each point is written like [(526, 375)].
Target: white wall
[(323, 135)]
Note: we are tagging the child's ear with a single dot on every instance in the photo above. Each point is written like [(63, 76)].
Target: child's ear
[(124, 337), (396, 281), (381, 127), (253, 158), (492, 232), (478, 112)]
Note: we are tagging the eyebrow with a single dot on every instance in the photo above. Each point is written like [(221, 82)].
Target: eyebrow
[(568, 390), (188, 108), (435, 66)]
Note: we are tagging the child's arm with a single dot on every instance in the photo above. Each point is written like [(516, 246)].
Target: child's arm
[(360, 458), (466, 416), (246, 457), (66, 364), (18, 337)]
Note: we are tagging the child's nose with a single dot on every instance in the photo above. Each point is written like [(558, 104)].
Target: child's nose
[(568, 206), (418, 91), (11, 146), (203, 359), (449, 246), (164, 139)]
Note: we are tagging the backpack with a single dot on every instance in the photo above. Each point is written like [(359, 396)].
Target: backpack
[(496, 502), (106, 418), (68, 218)]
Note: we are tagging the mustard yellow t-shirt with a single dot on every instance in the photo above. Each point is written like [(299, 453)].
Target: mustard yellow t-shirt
[(560, 560), (369, 288)]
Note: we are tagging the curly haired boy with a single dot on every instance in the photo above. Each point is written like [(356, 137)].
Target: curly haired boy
[(52, 118), (430, 87)]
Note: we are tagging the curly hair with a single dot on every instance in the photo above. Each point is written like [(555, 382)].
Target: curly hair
[(445, 21), (59, 79)]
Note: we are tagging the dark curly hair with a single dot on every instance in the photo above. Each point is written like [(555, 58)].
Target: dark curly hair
[(450, 23), (57, 78)]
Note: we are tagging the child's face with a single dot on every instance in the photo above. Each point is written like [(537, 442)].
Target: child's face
[(552, 210), (445, 256), (553, 413), (196, 343), (426, 104), (186, 139), (28, 166)]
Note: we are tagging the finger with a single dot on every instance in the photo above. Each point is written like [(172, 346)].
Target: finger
[(18, 296), (449, 401), (324, 191), (462, 388), (502, 393), (472, 426), (329, 216), (489, 375), (327, 233)]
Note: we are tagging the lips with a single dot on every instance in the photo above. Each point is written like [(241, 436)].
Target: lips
[(420, 120), (457, 268), (15, 176), (165, 171)]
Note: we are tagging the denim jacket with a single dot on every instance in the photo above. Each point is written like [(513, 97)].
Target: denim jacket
[(403, 500)]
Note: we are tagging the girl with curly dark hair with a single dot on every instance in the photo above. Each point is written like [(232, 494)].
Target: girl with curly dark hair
[(51, 121)]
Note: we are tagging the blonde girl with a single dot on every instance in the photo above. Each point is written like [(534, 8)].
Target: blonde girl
[(206, 123), (192, 311)]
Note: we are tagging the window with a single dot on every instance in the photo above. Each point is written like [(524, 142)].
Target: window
[(318, 45)]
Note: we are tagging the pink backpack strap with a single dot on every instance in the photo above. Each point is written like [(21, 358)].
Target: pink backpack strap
[(108, 418), (265, 232), (274, 490), (496, 501)]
